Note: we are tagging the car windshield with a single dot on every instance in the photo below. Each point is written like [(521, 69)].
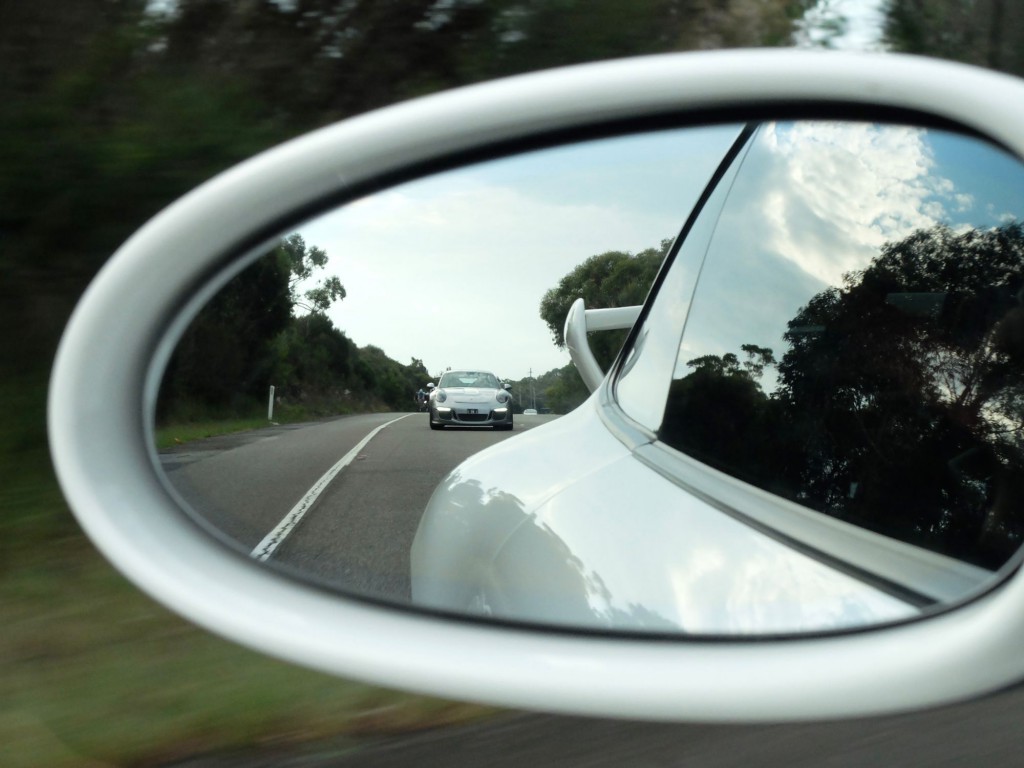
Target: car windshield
[(480, 379)]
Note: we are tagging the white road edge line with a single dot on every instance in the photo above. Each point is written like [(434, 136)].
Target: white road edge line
[(266, 548)]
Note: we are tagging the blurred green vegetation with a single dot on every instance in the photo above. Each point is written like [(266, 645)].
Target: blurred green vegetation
[(95, 673), (109, 112), (988, 33)]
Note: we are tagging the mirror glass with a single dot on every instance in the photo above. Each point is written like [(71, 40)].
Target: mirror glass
[(317, 413)]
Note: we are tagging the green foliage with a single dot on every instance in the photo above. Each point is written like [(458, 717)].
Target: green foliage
[(989, 33), (304, 263), (899, 405), (249, 338), (612, 279), (312, 358), (553, 392), (720, 415), (223, 361), (566, 389), (391, 383), (728, 365)]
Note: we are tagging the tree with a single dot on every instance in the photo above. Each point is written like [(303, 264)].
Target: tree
[(313, 360), (304, 261), (911, 395), (900, 404), (611, 279), (249, 337), (389, 384), (224, 359), (720, 414), (984, 32)]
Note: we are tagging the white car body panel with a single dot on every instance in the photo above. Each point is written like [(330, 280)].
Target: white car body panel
[(105, 379), (615, 546)]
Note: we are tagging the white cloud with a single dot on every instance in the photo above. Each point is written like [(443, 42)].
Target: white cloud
[(844, 189), (456, 277), (452, 269)]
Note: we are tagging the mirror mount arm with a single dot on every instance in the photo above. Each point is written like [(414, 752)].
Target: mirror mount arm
[(579, 321)]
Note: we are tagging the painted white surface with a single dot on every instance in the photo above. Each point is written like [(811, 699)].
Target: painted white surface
[(612, 545)]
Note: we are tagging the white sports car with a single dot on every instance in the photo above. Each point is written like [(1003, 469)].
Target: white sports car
[(470, 399)]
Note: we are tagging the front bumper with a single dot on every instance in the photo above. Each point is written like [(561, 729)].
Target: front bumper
[(471, 415)]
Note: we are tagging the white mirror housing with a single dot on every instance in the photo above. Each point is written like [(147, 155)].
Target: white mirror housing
[(107, 372)]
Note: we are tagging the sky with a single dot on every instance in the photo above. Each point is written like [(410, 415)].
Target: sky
[(451, 269), (842, 25), (817, 200)]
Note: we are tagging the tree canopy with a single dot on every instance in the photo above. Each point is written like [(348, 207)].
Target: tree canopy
[(899, 405), (267, 327)]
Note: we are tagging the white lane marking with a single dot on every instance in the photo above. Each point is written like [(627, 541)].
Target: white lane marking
[(265, 549)]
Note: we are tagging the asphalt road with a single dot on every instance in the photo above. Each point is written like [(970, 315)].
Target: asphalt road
[(357, 533), (979, 734)]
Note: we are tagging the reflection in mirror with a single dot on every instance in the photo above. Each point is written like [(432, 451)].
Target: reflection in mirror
[(341, 327), (855, 343), (851, 348)]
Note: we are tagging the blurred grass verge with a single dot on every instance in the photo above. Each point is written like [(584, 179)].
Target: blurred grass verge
[(171, 435), (185, 429), (94, 673)]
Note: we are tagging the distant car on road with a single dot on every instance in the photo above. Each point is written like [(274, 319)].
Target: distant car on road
[(472, 399), (530, 412)]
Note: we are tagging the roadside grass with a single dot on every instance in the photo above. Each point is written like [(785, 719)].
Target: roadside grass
[(92, 672), (169, 435), (185, 428)]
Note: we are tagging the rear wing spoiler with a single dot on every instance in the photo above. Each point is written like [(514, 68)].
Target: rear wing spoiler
[(579, 322)]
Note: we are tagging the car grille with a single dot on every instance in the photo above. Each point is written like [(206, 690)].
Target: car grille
[(472, 416)]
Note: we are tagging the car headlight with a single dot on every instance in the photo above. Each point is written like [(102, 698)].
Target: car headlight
[(502, 397), (441, 396)]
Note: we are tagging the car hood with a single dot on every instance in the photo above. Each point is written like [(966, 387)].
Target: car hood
[(563, 525)]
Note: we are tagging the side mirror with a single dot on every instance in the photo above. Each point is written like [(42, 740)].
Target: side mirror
[(108, 373)]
